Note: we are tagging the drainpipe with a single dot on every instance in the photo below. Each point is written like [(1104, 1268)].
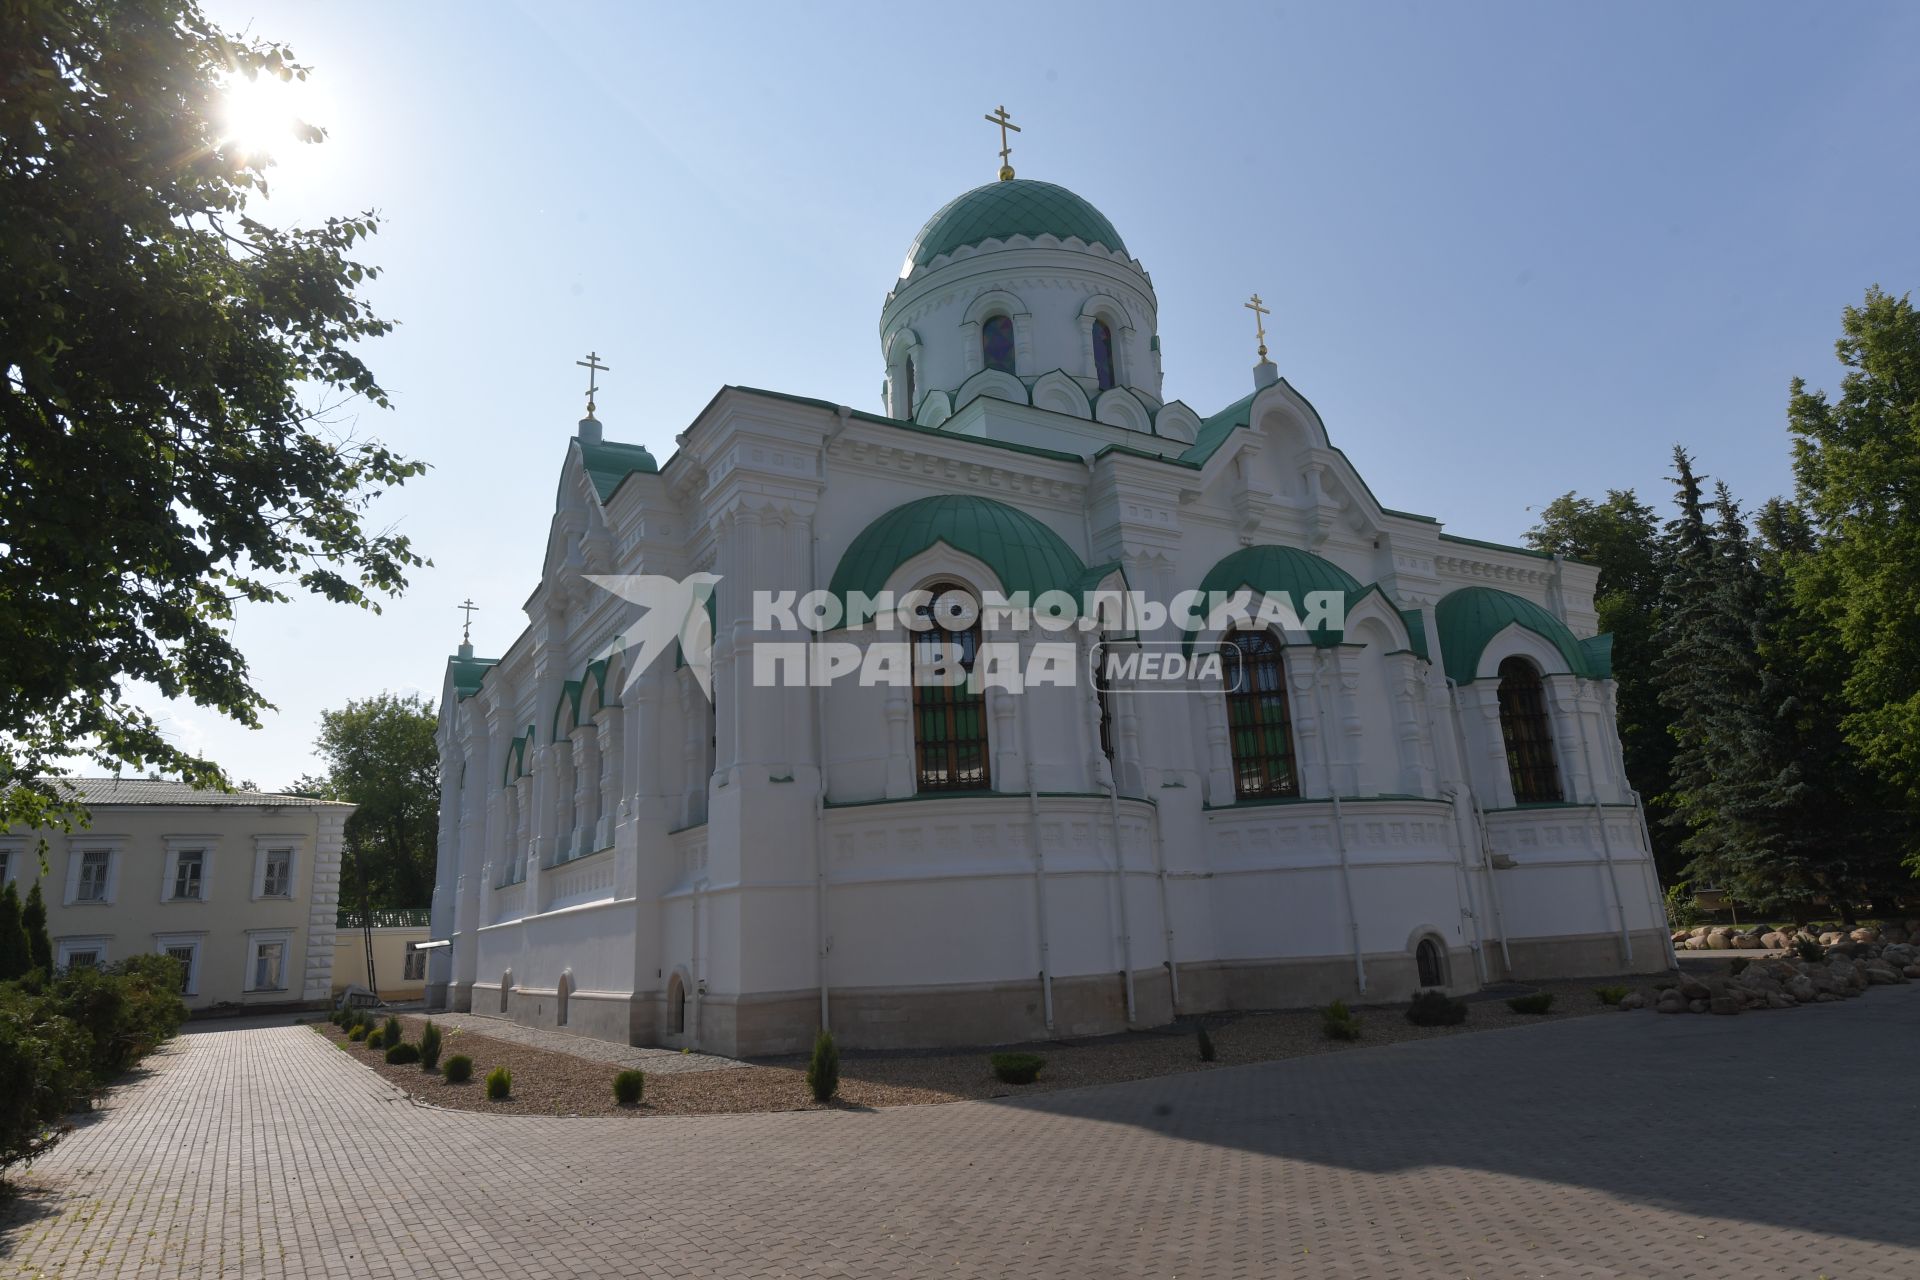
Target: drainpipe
[(1339, 826), (1166, 913), (818, 694), (1606, 845), (1113, 802), (1465, 881), (1480, 825), (1039, 865)]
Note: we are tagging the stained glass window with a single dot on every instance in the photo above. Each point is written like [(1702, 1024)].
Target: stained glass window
[(996, 343), (1259, 725), (1528, 734), (1102, 354), (949, 719)]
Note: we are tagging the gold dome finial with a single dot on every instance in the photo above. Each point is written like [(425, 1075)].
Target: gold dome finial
[(1000, 117)]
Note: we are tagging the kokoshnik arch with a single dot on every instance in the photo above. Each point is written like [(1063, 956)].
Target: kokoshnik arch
[(1432, 796)]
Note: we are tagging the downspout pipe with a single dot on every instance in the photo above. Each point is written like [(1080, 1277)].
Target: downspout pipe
[(1606, 845), (818, 694), (1339, 826), (1479, 824), (1039, 865)]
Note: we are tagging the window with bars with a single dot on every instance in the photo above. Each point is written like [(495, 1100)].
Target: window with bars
[(1259, 725), (414, 967), (276, 875), (93, 876), (1528, 733), (949, 718), (184, 955)]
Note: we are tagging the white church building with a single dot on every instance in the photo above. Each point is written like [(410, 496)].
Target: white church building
[(1431, 795)]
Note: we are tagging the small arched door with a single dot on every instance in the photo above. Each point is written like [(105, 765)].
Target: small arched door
[(1431, 962), (677, 1006)]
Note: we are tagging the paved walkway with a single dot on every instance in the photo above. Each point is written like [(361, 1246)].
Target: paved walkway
[(1766, 1145)]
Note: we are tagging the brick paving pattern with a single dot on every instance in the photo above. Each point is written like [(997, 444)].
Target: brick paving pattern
[(1637, 1145)]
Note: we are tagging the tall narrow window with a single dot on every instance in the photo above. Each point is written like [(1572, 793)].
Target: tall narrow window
[(268, 958), (949, 718), (996, 343), (1259, 726), (1102, 354), (1528, 734), (1103, 694), (183, 956), (187, 866), (1432, 966), (276, 877), (904, 408), (93, 876)]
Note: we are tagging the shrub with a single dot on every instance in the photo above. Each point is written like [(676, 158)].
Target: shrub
[(1809, 950), (1682, 911), (1435, 1008), (1203, 1042), (823, 1071), (123, 1010), (499, 1083), (43, 1059), (459, 1069), (1338, 1022), (377, 1038), (429, 1047), (356, 1032), (391, 1028), (1538, 1002), (1017, 1068), (403, 1052), (628, 1086), (1610, 995)]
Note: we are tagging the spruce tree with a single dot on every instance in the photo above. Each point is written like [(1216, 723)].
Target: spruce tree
[(34, 918)]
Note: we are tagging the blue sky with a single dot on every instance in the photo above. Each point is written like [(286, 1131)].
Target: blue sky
[(1512, 249)]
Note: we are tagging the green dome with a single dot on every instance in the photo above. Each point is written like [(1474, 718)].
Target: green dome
[(1017, 207), (1025, 554)]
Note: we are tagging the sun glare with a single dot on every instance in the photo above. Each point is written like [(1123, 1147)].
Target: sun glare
[(261, 117)]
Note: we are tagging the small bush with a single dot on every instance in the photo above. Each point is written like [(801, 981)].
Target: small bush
[(377, 1038), (392, 1029), (429, 1047), (1338, 1022), (1017, 1068), (1435, 1008), (1538, 1002), (1610, 995), (402, 1053), (459, 1069), (499, 1083), (1203, 1042), (823, 1072), (356, 1032), (1809, 950), (628, 1086)]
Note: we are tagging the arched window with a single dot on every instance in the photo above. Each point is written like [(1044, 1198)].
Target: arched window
[(1528, 734), (996, 343), (904, 407), (1102, 354), (949, 718), (1431, 963), (1104, 696), (1259, 728), (677, 1006)]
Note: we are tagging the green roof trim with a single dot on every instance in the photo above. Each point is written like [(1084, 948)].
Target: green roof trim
[(517, 757), (1471, 617), (1499, 546), (1268, 569), (468, 673), (1410, 515), (1416, 624), (1022, 552), (609, 462), (569, 698), (1002, 210)]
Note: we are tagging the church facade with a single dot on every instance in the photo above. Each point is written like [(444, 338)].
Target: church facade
[(1429, 794)]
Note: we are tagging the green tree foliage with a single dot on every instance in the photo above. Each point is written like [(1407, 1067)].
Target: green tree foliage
[(1621, 535), (170, 370), (33, 917), (381, 755), (1857, 463), (16, 955)]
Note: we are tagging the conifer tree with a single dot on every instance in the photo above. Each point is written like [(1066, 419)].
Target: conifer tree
[(15, 956), (34, 918)]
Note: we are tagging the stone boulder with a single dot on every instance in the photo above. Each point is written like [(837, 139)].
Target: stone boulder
[(1670, 1001), (1774, 941), (1801, 988), (1720, 940), (1633, 1000)]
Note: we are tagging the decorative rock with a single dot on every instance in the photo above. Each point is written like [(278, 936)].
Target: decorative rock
[(1775, 941), (1633, 1000), (1800, 987), (1720, 940), (1696, 1006), (1825, 997), (1864, 935), (1726, 1004), (1912, 970), (1780, 1001), (1670, 1002), (1691, 988)]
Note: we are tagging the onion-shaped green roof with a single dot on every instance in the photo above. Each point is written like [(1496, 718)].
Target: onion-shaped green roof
[(999, 210), (1471, 617), (1022, 552)]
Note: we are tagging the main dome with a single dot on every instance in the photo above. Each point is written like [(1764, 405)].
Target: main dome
[(1017, 207)]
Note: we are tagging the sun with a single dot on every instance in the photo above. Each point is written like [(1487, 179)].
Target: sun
[(260, 116)]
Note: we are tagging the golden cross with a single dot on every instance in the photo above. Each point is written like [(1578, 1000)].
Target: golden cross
[(594, 369), (1000, 117), (1259, 322), (468, 607)]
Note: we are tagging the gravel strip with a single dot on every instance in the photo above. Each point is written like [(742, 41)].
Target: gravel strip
[(651, 1060), (547, 1082)]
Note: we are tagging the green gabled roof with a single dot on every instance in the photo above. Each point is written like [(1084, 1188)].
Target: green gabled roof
[(608, 462), (1416, 624), (1215, 430), (1000, 210), (569, 699), (517, 756), (1471, 617), (468, 673), (1022, 552)]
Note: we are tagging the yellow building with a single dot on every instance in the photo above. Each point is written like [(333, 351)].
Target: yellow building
[(241, 887), (401, 969)]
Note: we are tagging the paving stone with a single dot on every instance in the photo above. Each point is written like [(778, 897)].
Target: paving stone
[(1584, 1148)]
